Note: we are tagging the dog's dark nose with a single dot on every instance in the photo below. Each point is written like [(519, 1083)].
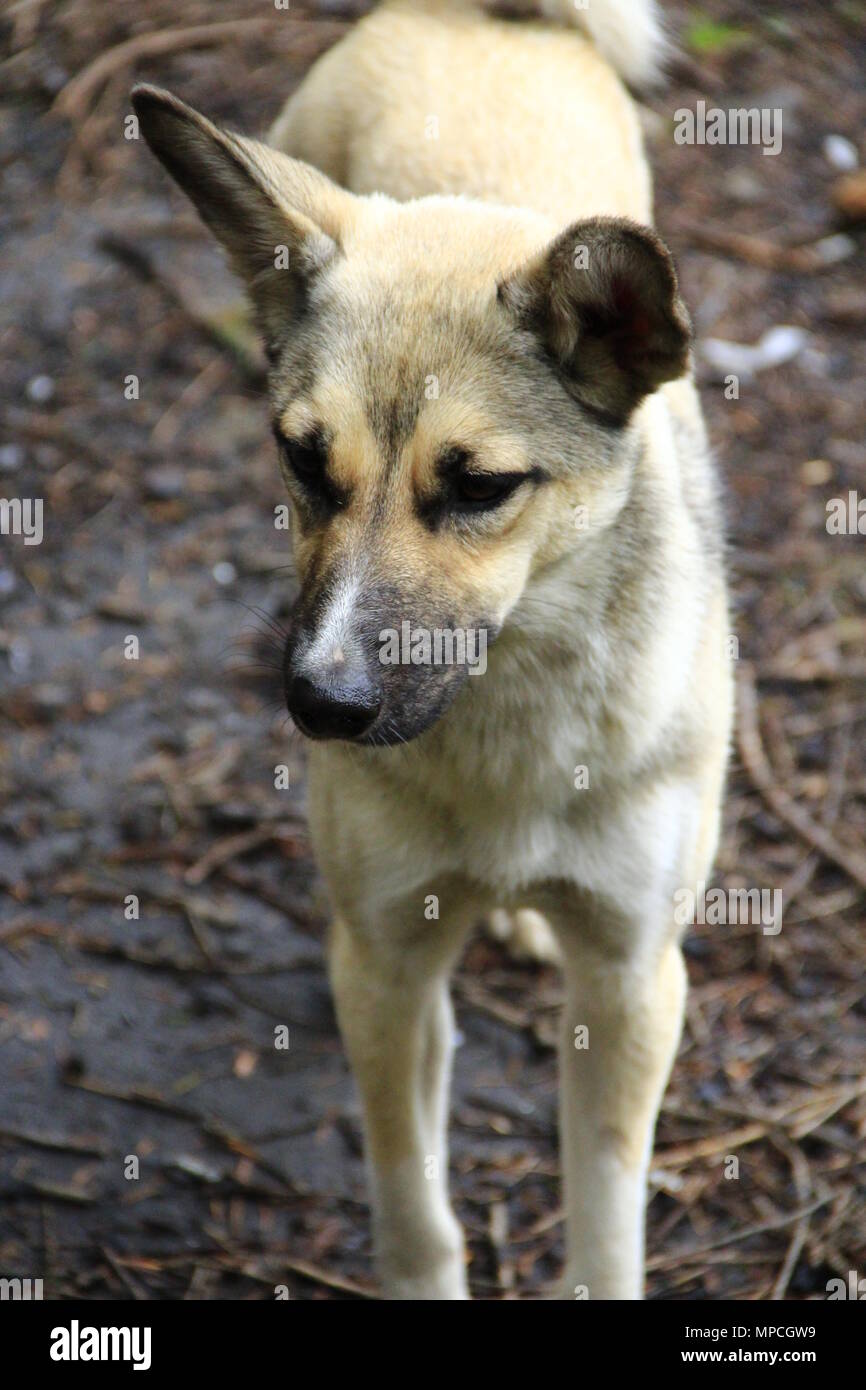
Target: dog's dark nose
[(331, 708)]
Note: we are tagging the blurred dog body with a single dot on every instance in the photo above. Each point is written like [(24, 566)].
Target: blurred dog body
[(480, 385)]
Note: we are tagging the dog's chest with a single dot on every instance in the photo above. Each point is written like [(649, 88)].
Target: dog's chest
[(498, 788)]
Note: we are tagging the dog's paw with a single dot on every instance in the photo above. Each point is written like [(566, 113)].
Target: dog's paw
[(434, 1287), (437, 1276), (525, 934)]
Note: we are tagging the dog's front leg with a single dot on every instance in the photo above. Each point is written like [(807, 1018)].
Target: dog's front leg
[(621, 1026), (395, 1018)]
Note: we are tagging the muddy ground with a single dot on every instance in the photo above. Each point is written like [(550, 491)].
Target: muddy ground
[(152, 1038)]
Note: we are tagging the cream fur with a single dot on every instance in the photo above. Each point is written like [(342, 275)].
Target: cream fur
[(611, 653), (486, 799)]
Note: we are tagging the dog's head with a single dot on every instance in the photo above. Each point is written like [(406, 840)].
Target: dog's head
[(450, 392)]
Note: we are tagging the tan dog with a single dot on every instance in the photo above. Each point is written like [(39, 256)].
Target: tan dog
[(481, 394)]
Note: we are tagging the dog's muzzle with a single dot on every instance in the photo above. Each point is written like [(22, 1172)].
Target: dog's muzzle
[(335, 703)]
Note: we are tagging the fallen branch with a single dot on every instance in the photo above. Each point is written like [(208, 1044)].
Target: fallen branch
[(74, 98), (804, 259), (123, 1274), (684, 1154), (803, 1184), (152, 1101), (776, 1223), (56, 1142), (780, 802), (229, 328), (224, 851)]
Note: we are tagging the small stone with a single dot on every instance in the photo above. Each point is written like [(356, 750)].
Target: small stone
[(198, 1167), (816, 472), (744, 186), (841, 153), (40, 389), (164, 483), (832, 249), (19, 655), (778, 345), (224, 572), (49, 697), (11, 458), (203, 701)]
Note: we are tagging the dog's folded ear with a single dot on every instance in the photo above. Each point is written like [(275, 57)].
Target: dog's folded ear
[(279, 219), (604, 302)]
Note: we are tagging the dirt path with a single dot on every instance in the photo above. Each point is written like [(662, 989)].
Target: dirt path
[(159, 914)]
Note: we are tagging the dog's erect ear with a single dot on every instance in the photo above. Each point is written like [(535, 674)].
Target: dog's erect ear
[(279, 219), (603, 300)]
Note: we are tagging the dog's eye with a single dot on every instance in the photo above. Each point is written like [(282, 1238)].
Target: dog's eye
[(305, 459), (486, 489), (465, 490), (308, 460)]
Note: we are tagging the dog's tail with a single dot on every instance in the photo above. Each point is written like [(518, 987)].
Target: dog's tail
[(629, 34)]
